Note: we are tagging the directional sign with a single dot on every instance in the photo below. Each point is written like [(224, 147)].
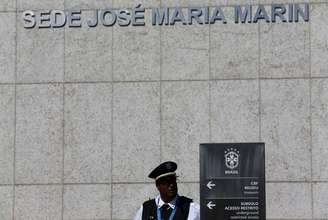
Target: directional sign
[(210, 205), (210, 185), (232, 180)]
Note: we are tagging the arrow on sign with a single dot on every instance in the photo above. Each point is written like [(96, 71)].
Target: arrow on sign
[(210, 185), (210, 205)]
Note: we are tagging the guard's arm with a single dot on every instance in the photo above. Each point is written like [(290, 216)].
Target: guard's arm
[(194, 211)]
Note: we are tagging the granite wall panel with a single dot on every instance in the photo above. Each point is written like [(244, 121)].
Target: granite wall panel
[(40, 54), (38, 202), (39, 4), (232, 2), (6, 202), (7, 47), (87, 202), (285, 123), (319, 129), (88, 133), (137, 52), (7, 133), (234, 49), (285, 50), (235, 111), (185, 124), (184, 3), (39, 133), (122, 198), (288, 201), (136, 144), (185, 52), (88, 52), (319, 40), (134, 3), (320, 202), (8, 5), (88, 4)]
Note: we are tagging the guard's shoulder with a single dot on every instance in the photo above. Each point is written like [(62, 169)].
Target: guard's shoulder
[(195, 205), (149, 208), (148, 203), (184, 199)]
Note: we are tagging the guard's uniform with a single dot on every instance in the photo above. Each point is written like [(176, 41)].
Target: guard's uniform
[(179, 208), (186, 209)]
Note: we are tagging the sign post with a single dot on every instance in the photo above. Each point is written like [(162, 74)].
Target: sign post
[(232, 181)]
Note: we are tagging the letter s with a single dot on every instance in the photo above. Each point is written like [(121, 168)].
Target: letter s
[(29, 18)]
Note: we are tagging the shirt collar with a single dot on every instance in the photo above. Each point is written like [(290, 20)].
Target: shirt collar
[(160, 202)]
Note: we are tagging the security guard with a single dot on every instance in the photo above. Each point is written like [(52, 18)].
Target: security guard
[(168, 205)]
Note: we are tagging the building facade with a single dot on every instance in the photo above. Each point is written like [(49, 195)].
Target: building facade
[(87, 112)]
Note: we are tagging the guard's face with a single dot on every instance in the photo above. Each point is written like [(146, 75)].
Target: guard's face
[(167, 186)]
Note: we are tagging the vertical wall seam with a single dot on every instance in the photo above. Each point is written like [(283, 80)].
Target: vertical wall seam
[(63, 149), (311, 141), (15, 115), (209, 84), (311, 149), (111, 151), (259, 81), (63, 122), (160, 92), (112, 128)]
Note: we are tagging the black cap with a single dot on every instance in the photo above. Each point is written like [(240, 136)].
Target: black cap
[(167, 168)]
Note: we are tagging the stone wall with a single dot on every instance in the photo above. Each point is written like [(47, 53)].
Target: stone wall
[(86, 113)]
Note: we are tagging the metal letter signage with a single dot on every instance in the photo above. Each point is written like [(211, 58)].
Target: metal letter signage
[(232, 181), (136, 16)]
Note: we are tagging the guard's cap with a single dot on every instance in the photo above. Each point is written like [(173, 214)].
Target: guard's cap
[(167, 168)]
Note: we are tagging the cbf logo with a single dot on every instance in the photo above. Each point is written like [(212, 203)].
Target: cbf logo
[(231, 158)]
